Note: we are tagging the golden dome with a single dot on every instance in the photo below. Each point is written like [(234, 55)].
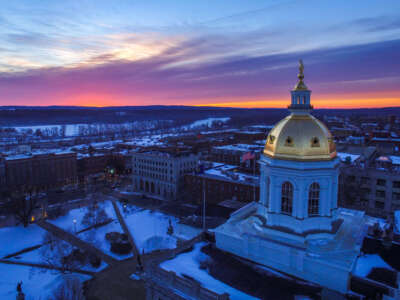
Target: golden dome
[(300, 137)]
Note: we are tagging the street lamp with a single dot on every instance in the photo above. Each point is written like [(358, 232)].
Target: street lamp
[(74, 220)]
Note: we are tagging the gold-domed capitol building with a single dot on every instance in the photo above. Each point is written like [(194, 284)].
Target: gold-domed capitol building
[(297, 227)]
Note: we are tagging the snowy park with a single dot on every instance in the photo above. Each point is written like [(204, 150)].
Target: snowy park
[(150, 228), (32, 246)]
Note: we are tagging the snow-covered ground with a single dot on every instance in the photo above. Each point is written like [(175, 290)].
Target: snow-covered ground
[(66, 222), (37, 284), (34, 256), (206, 123), (149, 228), (189, 264), (85, 129), (366, 263), (97, 237), (14, 239)]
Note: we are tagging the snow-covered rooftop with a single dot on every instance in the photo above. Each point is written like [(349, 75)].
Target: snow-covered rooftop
[(37, 153), (227, 173), (240, 147), (343, 156)]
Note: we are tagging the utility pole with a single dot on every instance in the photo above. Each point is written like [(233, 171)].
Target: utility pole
[(254, 181), (204, 205)]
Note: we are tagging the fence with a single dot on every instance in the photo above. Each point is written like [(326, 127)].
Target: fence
[(187, 286)]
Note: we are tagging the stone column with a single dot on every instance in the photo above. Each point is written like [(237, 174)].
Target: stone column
[(263, 186), (274, 197), (303, 200)]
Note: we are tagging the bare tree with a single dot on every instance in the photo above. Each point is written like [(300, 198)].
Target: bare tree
[(23, 206), (57, 253), (95, 215), (70, 289)]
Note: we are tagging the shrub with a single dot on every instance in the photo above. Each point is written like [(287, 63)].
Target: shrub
[(94, 261), (121, 247), (113, 236)]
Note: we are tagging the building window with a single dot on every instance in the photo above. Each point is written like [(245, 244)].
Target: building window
[(379, 204), (313, 199), (396, 184), (271, 139), (396, 196), (365, 180), (287, 198), (289, 142), (363, 202), (351, 178), (381, 182), (365, 191), (315, 142), (380, 194)]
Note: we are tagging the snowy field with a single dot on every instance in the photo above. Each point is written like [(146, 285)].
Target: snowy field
[(85, 129), (66, 222), (189, 264), (206, 123), (36, 283), (95, 236), (34, 256), (18, 238), (149, 229)]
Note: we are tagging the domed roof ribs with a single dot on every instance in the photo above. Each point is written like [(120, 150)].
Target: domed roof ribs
[(301, 95)]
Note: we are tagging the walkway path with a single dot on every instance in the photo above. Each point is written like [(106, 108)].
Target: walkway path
[(73, 240), (125, 228), (45, 266)]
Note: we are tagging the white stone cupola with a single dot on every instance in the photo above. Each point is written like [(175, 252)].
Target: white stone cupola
[(299, 170)]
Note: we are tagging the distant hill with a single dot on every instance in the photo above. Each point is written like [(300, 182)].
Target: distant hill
[(38, 115)]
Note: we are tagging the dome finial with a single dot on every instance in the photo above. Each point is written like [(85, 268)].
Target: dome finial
[(300, 85), (301, 70)]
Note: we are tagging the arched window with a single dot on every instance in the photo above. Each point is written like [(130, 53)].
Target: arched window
[(287, 198), (313, 199)]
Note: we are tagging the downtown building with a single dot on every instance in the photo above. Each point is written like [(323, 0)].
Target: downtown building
[(233, 154), (161, 173), (40, 171), (370, 182), (222, 183)]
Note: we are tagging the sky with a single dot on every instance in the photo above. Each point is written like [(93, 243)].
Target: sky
[(204, 52)]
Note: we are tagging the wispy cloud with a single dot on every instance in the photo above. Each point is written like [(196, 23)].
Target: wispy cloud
[(163, 78), (136, 53)]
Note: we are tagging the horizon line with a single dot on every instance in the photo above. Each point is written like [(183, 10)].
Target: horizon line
[(191, 106)]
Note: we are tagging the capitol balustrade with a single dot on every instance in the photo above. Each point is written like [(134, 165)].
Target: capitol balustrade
[(187, 286)]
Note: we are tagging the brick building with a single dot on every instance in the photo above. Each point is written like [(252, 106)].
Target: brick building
[(89, 165), (222, 182), (232, 155), (40, 171), (371, 184)]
